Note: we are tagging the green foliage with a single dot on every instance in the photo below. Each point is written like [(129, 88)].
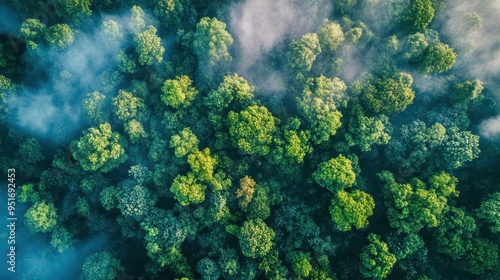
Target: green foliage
[(330, 36), (252, 130), (59, 36), (482, 256), (62, 239), (454, 234), (208, 269), (318, 105), (302, 53), (30, 151), (126, 106), (351, 209), (109, 197), (376, 260), (99, 149), (187, 190), (41, 217), (202, 164), (178, 93), (184, 143), (301, 264), (297, 144), (466, 91), (335, 174), (174, 12), (211, 42), (387, 95), (413, 206), (101, 266), (74, 10), (94, 108), (33, 31), (438, 59), (365, 131), (135, 200), (135, 131), (419, 14), (489, 211), (461, 147), (245, 192), (234, 92), (256, 238), (148, 46)]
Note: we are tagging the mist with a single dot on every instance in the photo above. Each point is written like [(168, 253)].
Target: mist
[(259, 26)]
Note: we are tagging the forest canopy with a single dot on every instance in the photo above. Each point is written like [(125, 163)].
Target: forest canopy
[(251, 139)]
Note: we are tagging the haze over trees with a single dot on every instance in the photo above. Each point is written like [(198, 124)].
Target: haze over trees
[(252, 139)]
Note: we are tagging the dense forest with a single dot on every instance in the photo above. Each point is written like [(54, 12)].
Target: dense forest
[(250, 139)]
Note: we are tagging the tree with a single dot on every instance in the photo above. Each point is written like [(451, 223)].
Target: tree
[(301, 264), (74, 10), (255, 238), (112, 34), (135, 131), (330, 36), (148, 46), (101, 266), (30, 151), (41, 217), (211, 42), (351, 209), (335, 174), (413, 47), (297, 144), (137, 21), (174, 12), (437, 59), (99, 149), (454, 234), (466, 91), (62, 239), (184, 143), (135, 200), (178, 93), (208, 269), (33, 31), (461, 147), (126, 106), (489, 211), (164, 233), (387, 95), (376, 260), (419, 14), (318, 105), (94, 108), (252, 130), (234, 92), (245, 192), (187, 190), (413, 206), (202, 165), (59, 36), (365, 131), (482, 256), (302, 53)]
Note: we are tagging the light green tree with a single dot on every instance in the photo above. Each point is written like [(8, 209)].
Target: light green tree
[(376, 260), (353, 209), (41, 217), (256, 238), (148, 46), (211, 42), (99, 149), (179, 92), (252, 129)]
